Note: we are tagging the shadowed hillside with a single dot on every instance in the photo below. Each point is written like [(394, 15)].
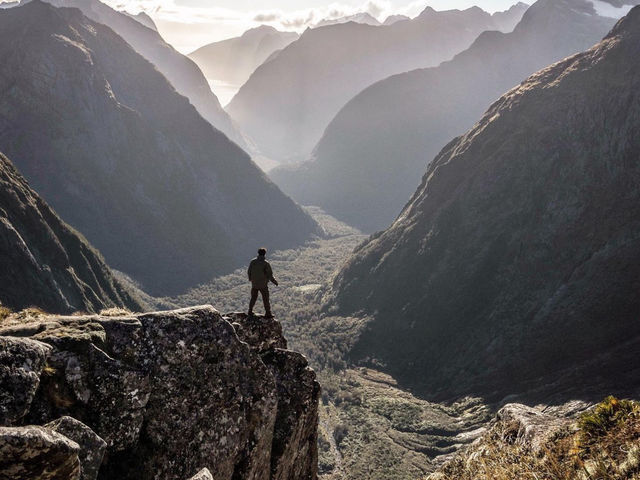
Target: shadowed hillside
[(517, 257), (44, 262), (107, 141)]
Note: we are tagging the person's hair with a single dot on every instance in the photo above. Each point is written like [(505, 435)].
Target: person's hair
[(262, 251)]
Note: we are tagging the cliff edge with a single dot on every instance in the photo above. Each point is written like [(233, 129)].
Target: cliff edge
[(166, 395)]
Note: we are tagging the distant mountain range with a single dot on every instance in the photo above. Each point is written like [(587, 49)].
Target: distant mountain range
[(288, 101), (183, 73), (45, 263), (235, 59), (363, 18), (373, 153), (103, 136), (518, 257)]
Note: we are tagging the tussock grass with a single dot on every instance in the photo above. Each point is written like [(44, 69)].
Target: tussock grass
[(603, 444)]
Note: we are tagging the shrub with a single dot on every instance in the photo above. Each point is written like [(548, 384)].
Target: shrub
[(4, 312), (606, 415), (340, 432)]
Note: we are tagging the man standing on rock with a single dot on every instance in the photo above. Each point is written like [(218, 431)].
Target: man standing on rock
[(260, 274)]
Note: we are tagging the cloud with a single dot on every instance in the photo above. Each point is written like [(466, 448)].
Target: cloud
[(169, 10)]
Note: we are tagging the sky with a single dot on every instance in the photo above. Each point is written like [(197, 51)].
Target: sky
[(189, 24)]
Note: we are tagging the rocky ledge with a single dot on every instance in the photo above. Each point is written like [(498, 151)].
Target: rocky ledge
[(169, 395)]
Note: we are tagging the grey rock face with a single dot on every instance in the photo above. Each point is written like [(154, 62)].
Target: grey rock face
[(37, 453), (533, 427), (92, 447), (173, 392), (294, 453), (21, 364), (261, 334)]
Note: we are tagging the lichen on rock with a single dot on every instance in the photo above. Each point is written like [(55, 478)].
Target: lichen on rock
[(174, 392)]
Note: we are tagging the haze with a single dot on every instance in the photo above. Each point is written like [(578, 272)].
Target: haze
[(189, 24)]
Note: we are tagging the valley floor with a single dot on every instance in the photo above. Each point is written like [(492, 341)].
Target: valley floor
[(369, 427)]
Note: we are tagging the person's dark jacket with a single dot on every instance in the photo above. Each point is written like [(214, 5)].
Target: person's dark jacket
[(260, 273)]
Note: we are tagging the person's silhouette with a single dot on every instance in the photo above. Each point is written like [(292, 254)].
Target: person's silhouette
[(260, 274)]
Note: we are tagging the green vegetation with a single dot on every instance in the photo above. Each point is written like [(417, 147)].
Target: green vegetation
[(605, 416), (603, 444), (369, 428)]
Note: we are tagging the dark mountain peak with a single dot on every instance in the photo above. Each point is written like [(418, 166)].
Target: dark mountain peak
[(628, 25)]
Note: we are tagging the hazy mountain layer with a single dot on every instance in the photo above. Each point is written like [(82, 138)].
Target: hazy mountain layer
[(43, 262), (364, 18), (235, 59), (518, 256), (287, 103), (182, 72), (107, 141), (372, 155)]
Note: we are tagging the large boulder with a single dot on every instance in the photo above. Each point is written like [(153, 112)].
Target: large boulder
[(37, 453), (21, 364), (173, 392), (92, 447), (294, 453)]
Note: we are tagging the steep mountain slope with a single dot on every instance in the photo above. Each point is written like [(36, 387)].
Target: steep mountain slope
[(235, 59), (183, 73), (107, 141), (287, 103), (43, 262), (518, 256), (369, 160)]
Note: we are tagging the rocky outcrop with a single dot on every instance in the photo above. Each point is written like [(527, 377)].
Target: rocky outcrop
[(294, 453), (45, 263), (165, 197), (92, 447), (517, 259), (171, 393), (37, 453)]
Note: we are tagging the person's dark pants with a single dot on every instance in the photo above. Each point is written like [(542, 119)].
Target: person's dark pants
[(265, 299)]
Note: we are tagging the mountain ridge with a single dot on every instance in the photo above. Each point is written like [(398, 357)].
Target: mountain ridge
[(123, 158), (364, 168), (288, 101), (516, 256)]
